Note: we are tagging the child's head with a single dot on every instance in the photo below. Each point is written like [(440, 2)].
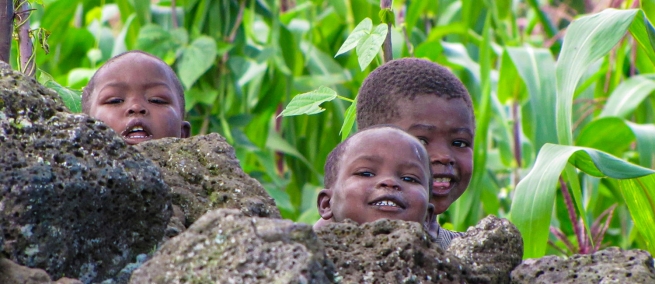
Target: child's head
[(381, 172), (429, 102), (139, 96)]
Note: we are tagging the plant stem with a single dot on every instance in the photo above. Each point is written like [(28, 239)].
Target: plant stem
[(572, 216), (24, 41), (346, 99), (386, 46), (6, 28), (174, 14)]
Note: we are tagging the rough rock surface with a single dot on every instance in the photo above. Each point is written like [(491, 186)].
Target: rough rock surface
[(389, 251), (491, 249), (74, 199), (226, 246), (612, 265), (204, 173), (12, 273)]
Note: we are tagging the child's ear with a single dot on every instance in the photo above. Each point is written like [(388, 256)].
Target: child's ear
[(186, 129), (429, 216), (323, 203)]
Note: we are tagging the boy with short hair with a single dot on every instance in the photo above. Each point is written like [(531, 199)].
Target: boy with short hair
[(139, 96), (430, 103), (380, 172)]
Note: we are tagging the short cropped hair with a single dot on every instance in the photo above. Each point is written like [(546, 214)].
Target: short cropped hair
[(333, 160), (400, 79), (88, 90)]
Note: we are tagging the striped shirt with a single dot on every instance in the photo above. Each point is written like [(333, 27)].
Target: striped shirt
[(444, 237)]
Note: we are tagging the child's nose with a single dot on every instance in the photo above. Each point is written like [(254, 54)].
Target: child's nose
[(388, 182), (442, 155), (137, 109)]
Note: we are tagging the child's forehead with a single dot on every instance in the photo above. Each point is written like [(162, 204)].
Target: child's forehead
[(384, 139)]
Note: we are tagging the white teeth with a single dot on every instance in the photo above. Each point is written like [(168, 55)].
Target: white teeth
[(386, 203), (442, 180), (136, 128)]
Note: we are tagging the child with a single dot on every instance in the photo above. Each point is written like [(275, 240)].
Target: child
[(429, 102), (381, 172), (139, 96)]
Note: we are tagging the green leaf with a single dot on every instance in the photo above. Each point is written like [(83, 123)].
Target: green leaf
[(362, 30), (154, 39), (534, 196), (348, 121), (309, 103), (536, 68), (627, 96), (642, 31), (587, 39), (120, 44), (639, 196), (369, 48), (197, 58), (387, 16), (72, 98)]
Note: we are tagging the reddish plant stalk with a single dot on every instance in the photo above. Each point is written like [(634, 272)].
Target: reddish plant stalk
[(174, 14), (579, 232), (386, 46), (24, 40), (6, 28)]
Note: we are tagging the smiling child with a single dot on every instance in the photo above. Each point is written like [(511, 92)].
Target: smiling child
[(139, 96), (381, 172)]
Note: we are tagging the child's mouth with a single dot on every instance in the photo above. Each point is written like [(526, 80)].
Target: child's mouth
[(388, 203), (441, 186), (136, 133)]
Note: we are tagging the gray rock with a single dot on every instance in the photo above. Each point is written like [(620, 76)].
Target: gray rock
[(74, 199), (12, 273), (389, 251), (204, 173), (226, 246), (612, 265), (491, 249)]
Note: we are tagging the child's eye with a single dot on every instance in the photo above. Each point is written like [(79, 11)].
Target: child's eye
[(423, 140), (365, 174), (410, 179), (114, 101), (461, 144), (158, 101)]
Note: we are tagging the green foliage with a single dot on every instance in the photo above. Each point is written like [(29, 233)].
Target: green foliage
[(586, 117)]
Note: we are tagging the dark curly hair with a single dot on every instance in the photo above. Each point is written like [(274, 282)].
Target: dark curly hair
[(88, 90), (404, 79), (333, 160)]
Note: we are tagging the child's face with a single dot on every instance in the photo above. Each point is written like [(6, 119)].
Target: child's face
[(383, 173), (446, 128), (136, 97)]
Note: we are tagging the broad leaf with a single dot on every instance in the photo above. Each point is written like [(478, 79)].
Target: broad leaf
[(197, 58), (534, 196), (362, 30), (643, 32), (627, 96), (309, 103), (348, 121), (369, 48), (72, 98), (536, 68), (639, 195), (587, 39)]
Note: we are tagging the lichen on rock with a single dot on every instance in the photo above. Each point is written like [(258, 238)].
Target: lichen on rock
[(204, 174), (492, 249), (389, 251), (612, 265), (227, 246), (74, 199)]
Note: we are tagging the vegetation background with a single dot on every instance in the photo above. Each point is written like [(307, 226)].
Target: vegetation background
[(562, 90)]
